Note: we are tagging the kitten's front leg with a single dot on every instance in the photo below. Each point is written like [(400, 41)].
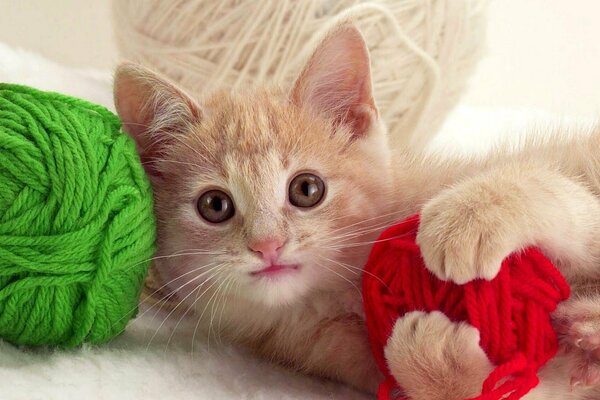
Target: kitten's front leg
[(339, 349), (335, 347), (467, 230)]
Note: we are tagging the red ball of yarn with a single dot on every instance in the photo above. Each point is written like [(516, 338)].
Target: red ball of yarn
[(511, 312)]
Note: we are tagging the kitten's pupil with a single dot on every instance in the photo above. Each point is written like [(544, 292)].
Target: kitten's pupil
[(217, 204), (309, 188)]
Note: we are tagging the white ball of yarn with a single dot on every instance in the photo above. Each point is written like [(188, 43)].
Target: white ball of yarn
[(422, 51)]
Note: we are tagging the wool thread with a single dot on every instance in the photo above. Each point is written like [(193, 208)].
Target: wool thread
[(76, 220), (422, 51), (511, 312)]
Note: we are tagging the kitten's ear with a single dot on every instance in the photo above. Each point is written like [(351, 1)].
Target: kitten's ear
[(336, 82), (152, 110)]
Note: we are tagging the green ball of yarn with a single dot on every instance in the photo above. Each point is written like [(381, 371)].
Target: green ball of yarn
[(76, 220)]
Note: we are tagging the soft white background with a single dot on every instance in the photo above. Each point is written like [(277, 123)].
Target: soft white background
[(543, 59), (542, 53)]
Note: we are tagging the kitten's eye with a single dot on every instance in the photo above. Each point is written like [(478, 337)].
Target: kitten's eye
[(306, 190), (215, 206)]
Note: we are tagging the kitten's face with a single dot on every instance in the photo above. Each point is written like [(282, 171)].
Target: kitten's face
[(251, 149), (265, 195)]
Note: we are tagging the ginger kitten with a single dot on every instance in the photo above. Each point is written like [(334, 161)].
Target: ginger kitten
[(268, 202)]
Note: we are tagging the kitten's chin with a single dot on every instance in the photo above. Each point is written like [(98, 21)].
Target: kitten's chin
[(283, 289)]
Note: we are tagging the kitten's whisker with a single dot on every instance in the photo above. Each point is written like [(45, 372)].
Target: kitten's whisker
[(176, 279), (217, 269), (224, 297), (336, 240), (339, 242), (212, 300), (201, 315), (195, 253), (199, 251), (164, 320), (343, 265), (359, 244), (360, 270), (208, 303), (362, 231), (219, 300), (390, 219), (174, 291), (227, 290), (190, 307), (341, 276), (160, 288), (386, 215)]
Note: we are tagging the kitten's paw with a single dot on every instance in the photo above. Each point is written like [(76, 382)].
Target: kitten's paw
[(578, 324), (432, 357), (465, 233)]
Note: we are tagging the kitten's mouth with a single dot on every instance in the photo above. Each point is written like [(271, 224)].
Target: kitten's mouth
[(275, 270)]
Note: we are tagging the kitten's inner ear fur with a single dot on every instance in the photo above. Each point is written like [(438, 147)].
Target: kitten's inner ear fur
[(152, 110), (336, 82)]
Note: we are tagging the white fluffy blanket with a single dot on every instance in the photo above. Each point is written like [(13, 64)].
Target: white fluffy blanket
[(145, 366)]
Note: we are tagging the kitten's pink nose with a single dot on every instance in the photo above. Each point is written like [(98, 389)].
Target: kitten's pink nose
[(268, 248)]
